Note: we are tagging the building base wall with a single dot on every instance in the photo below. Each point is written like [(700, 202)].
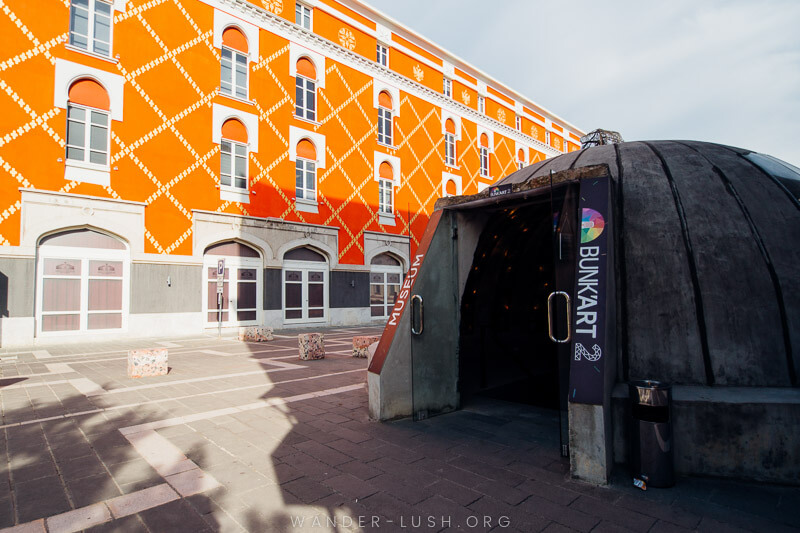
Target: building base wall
[(737, 432)]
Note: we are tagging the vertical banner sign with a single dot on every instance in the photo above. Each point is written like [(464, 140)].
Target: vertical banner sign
[(586, 375)]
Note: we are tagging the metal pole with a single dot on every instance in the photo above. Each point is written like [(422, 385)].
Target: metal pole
[(219, 315)]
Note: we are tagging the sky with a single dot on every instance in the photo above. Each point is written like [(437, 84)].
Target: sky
[(723, 71)]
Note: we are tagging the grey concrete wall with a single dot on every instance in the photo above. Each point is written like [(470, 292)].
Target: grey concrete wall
[(150, 293), (272, 289), (349, 289), (434, 353), (17, 282), (737, 432)]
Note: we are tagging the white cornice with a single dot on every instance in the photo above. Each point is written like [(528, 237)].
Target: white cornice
[(295, 33)]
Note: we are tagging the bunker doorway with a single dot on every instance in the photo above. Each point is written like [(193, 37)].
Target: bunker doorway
[(514, 308)]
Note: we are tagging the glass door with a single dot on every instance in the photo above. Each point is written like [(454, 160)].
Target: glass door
[(564, 210), (305, 295)]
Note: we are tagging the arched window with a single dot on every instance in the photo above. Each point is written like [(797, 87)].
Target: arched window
[(484, 154), (385, 118), (450, 188), (305, 286), (233, 76), (520, 158), (236, 295), (306, 89), (88, 119), (305, 171), (386, 189), (450, 143), (384, 284), (233, 155), (90, 23), (82, 282)]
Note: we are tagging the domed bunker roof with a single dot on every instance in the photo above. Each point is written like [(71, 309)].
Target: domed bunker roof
[(708, 260)]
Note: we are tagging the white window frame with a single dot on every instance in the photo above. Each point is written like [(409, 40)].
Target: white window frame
[(385, 126), (308, 87), (484, 156), (304, 11), (234, 86), (232, 265), (447, 87), (481, 104), (307, 167), (91, 14), (86, 146), (84, 255), (382, 55), (385, 270), (518, 122), (231, 171), (386, 197), (450, 149), (547, 138), (305, 267)]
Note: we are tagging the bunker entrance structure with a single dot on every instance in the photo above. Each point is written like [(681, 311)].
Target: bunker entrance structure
[(672, 261)]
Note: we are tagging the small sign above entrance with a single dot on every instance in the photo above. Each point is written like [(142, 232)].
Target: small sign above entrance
[(499, 190)]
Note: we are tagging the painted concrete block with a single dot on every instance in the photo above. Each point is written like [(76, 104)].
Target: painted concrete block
[(256, 334), (146, 363), (361, 345), (311, 345)]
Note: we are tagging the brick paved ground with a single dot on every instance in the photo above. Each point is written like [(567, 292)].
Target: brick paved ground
[(246, 437)]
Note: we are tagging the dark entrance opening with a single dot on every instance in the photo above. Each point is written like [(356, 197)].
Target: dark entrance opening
[(505, 351), (514, 331)]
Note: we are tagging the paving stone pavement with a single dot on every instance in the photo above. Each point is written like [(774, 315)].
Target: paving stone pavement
[(246, 437)]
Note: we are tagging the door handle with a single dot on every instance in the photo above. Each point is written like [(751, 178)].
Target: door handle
[(417, 298), (550, 316)]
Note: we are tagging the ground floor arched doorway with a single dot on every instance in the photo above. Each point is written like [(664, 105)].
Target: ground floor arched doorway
[(240, 300), (82, 283)]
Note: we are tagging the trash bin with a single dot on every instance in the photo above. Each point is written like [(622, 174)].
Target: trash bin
[(651, 432)]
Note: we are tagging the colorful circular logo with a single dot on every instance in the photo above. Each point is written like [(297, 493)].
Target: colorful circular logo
[(592, 225)]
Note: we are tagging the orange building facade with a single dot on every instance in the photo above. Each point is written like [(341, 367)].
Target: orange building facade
[(302, 144)]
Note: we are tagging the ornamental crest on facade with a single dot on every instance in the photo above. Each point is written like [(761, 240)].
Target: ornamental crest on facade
[(347, 39)]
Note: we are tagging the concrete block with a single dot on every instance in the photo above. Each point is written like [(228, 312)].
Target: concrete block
[(311, 345), (255, 334), (146, 363), (361, 345)]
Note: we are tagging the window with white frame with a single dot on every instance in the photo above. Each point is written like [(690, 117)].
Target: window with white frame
[(484, 155), (481, 104), (234, 164), (484, 162), (233, 78), (447, 87), (385, 277), (547, 138), (385, 118), (450, 149), (90, 26), (87, 135), (385, 197), (518, 123), (306, 90), (385, 126), (306, 179), (520, 159), (302, 15), (382, 56)]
